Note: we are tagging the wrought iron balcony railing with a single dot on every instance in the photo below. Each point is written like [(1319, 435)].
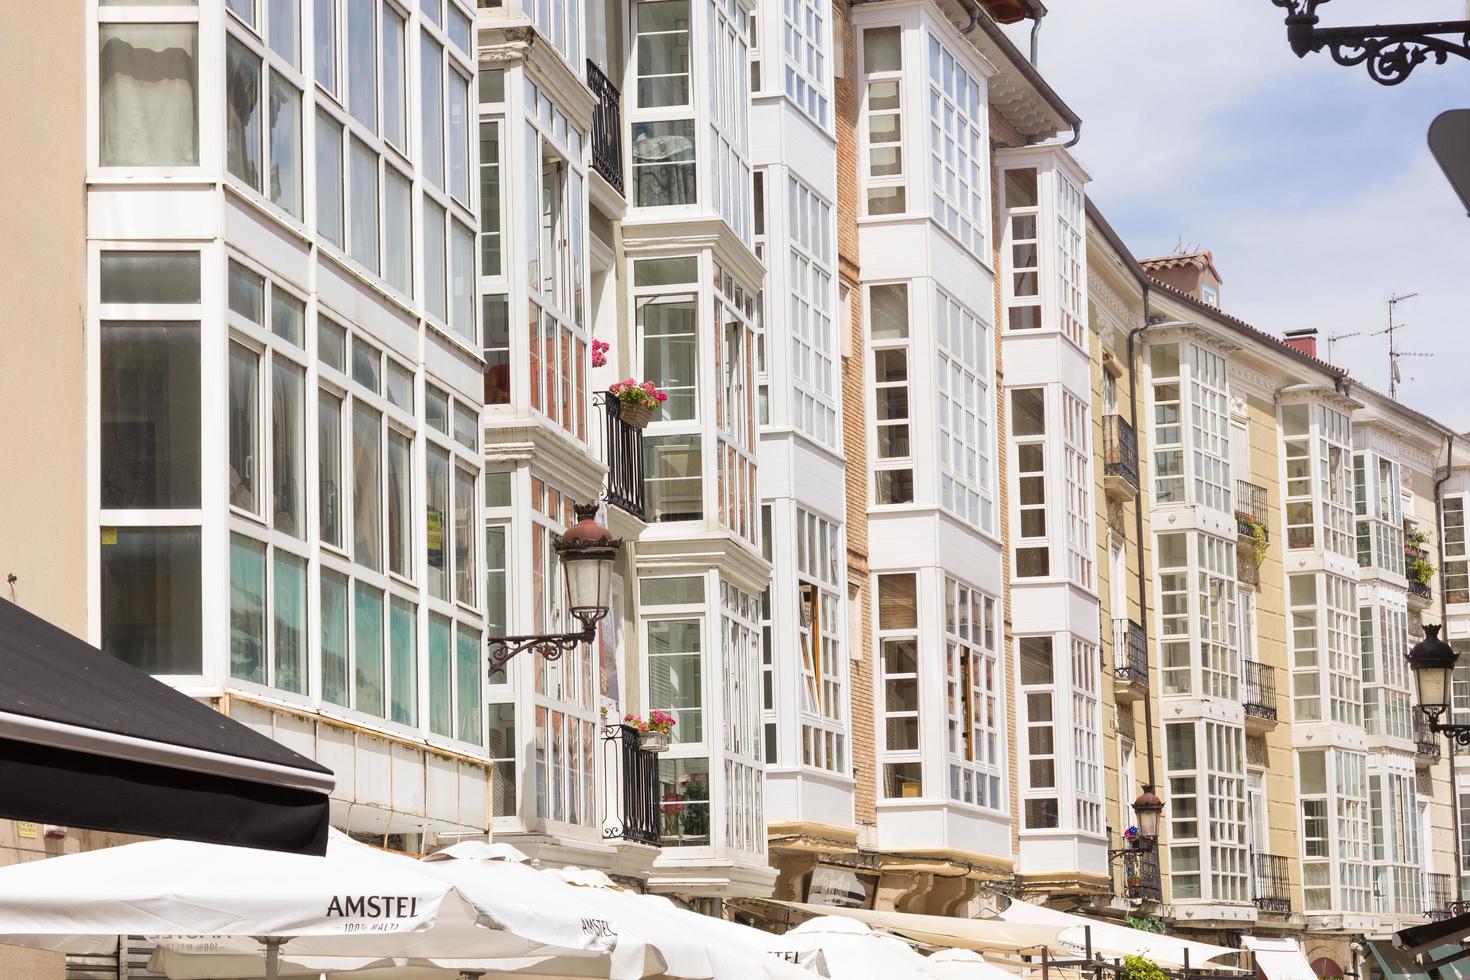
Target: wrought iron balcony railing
[(1439, 895), (1130, 652), (1426, 743), (1120, 449), (1141, 876), (636, 796), (624, 449), (607, 127), (1421, 590), (1250, 507), (1272, 882), (1259, 693)]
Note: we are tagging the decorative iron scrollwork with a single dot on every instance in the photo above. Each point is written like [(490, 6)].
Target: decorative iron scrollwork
[(1390, 52)]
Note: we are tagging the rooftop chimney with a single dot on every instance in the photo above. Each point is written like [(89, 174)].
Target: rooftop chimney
[(1304, 340)]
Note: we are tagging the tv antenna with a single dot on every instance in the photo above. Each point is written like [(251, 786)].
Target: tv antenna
[(1394, 354), (1334, 338)]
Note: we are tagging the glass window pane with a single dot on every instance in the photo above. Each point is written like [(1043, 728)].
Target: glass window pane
[(242, 106), (324, 35), (362, 63), (461, 32), (889, 318), (468, 672), (288, 446), (244, 428), (150, 277), (367, 473), (398, 230), (663, 163), (437, 516), (246, 293), (459, 137), (489, 198), (244, 9), (150, 598), (441, 680), (329, 466), (329, 179), (334, 637), (367, 649), (464, 535), (403, 666), (148, 95), (366, 365), (431, 88), (395, 108), (331, 344), (247, 609), (882, 49), (150, 415), (288, 317), (466, 426), (435, 286), (285, 123), (400, 475), (436, 408), (364, 196), (462, 281), (674, 483), (667, 325), (289, 616), (284, 27), (399, 386)]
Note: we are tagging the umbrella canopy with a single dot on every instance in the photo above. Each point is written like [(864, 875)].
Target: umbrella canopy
[(675, 942), (965, 964), (89, 741), (357, 905), (946, 930), (853, 951), (1113, 941)]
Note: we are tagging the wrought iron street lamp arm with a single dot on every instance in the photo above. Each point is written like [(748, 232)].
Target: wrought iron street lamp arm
[(503, 649), (1459, 734), (1390, 52)]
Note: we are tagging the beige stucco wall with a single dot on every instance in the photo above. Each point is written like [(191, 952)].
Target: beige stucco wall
[(42, 368), (42, 277)]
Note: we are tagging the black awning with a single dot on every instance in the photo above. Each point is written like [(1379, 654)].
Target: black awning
[(89, 741)]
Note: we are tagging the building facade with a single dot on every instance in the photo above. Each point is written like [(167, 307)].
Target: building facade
[(958, 526)]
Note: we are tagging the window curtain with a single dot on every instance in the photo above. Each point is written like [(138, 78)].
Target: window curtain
[(148, 95)]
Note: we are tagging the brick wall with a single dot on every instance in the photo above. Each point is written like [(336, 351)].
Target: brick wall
[(854, 426)]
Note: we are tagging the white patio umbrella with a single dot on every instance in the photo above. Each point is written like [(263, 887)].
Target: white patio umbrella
[(678, 942), (966, 964), (1114, 941), (853, 951), (251, 913)]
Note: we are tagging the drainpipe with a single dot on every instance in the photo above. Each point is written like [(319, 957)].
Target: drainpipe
[(1148, 700), (1449, 465), (1035, 39), (975, 15)]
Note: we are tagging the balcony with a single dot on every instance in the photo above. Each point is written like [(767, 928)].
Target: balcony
[(1258, 695), (1130, 661), (1426, 743), (624, 449), (607, 127), (1272, 883), (1439, 892), (1141, 878), (1120, 458), (633, 804), (1420, 595), (1250, 511)]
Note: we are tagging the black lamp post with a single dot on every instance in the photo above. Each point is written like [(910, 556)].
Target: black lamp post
[(1388, 51), (1433, 662), (1146, 811), (587, 552)]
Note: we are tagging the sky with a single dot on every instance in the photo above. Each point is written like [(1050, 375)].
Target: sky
[(1311, 183)]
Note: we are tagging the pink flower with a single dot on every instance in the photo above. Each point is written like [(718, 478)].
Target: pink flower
[(649, 387), (660, 396)]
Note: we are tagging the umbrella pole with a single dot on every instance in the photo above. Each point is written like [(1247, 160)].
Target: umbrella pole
[(272, 958)]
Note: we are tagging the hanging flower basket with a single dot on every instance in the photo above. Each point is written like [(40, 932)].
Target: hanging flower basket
[(654, 741), (635, 416), (637, 401)]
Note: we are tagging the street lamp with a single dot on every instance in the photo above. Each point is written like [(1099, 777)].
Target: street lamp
[(1433, 662), (587, 551), (1146, 811)]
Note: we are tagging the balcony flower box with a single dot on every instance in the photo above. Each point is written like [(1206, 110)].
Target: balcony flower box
[(654, 735), (637, 401)]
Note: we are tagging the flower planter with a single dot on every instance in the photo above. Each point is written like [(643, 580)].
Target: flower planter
[(635, 416), (654, 741)]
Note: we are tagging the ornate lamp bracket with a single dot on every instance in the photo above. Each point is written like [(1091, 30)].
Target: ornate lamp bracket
[(1389, 52), (503, 649)]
